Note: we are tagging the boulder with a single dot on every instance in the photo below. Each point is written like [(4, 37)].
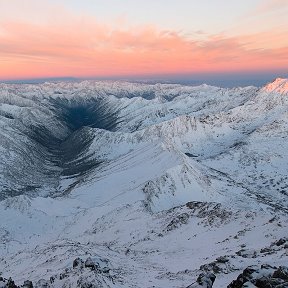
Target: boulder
[(204, 280), (264, 277), (282, 273), (27, 284), (10, 284), (89, 263), (78, 263)]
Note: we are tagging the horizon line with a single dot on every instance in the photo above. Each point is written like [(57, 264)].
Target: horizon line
[(232, 79)]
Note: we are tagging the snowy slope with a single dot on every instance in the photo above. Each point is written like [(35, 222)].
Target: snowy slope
[(155, 183)]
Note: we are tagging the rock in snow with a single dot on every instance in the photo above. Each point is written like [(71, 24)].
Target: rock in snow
[(204, 281), (264, 276)]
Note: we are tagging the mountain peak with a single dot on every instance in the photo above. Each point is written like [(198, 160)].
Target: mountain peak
[(279, 85)]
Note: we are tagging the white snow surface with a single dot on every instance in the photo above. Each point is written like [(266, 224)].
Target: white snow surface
[(222, 151)]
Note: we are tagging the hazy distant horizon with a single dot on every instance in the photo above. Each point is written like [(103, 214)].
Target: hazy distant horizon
[(231, 80)]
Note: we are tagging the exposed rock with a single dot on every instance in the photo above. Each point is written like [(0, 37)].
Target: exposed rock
[(10, 284), (52, 279), (222, 259), (266, 250), (275, 246), (82, 275), (105, 270), (42, 283), (213, 213), (247, 253), (220, 265), (82, 282), (213, 267), (78, 263), (63, 275), (243, 277), (89, 263), (280, 242), (204, 280), (27, 284), (281, 272), (178, 221), (264, 277)]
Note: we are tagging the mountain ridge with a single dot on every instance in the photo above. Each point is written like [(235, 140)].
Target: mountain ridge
[(158, 180)]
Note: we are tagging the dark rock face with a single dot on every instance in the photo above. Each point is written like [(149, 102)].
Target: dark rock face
[(222, 259), (84, 274), (204, 280), (89, 263), (178, 221), (278, 245), (42, 283), (212, 212), (9, 283), (264, 277), (220, 265), (281, 242), (27, 284), (78, 263), (281, 272)]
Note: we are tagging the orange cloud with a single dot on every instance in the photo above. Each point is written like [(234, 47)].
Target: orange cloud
[(85, 48)]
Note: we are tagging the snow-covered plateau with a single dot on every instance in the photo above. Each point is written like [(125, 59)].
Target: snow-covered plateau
[(115, 184)]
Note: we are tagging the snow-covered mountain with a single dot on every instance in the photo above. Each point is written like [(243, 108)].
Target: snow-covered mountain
[(118, 184)]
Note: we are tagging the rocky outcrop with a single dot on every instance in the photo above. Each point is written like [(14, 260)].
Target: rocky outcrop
[(204, 280), (9, 283), (27, 284), (84, 274), (264, 277), (220, 265)]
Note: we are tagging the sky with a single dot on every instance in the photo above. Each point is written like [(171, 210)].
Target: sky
[(137, 38)]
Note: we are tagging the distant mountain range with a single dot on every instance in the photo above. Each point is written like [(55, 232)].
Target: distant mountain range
[(225, 80)]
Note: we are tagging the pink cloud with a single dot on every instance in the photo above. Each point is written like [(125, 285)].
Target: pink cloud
[(86, 48)]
